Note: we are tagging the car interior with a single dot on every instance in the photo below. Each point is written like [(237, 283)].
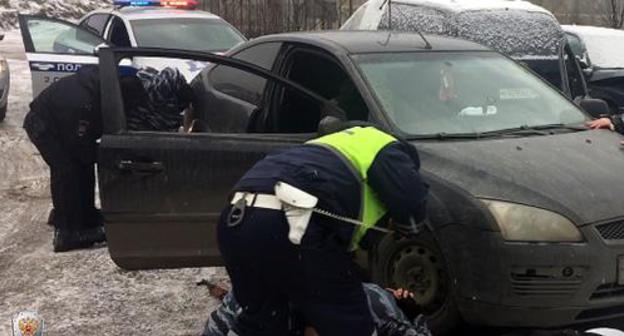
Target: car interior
[(294, 114)]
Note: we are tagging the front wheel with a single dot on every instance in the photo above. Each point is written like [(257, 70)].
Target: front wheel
[(418, 265)]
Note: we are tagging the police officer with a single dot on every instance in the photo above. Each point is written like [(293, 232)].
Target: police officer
[(64, 123), (283, 254)]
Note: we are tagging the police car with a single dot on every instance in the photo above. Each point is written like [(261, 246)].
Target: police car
[(56, 48)]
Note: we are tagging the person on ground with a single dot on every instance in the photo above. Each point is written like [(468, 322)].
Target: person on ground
[(384, 306)]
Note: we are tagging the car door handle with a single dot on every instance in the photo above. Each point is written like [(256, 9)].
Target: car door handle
[(141, 167)]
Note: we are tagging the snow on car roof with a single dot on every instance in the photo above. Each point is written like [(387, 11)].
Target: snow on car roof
[(368, 16), (513, 27), (133, 13), (475, 5)]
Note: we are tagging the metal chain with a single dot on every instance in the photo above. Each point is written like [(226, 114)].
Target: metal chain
[(348, 220)]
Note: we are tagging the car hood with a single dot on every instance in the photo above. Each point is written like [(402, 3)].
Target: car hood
[(579, 175), (605, 73)]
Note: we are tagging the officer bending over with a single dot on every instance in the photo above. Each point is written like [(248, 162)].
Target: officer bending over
[(282, 254), (64, 123)]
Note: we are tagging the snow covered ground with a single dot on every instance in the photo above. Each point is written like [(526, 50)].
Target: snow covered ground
[(83, 292)]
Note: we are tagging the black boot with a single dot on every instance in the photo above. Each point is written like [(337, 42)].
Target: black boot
[(51, 219), (95, 235), (67, 240)]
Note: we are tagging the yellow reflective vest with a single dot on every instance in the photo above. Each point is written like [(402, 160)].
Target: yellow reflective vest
[(360, 146)]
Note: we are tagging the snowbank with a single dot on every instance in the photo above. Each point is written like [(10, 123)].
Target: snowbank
[(65, 9)]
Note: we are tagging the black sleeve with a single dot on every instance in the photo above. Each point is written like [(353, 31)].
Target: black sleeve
[(395, 178), (618, 122)]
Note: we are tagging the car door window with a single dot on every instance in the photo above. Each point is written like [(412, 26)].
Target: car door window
[(96, 23), (323, 75), (244, 85), (118, 34), (54, 36), (234, 101)]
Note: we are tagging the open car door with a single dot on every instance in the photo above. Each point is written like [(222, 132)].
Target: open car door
[(55, 49), (162, 192)]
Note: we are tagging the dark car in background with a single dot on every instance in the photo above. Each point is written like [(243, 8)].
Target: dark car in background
[(525, 204), (602, 58), (524, 31)]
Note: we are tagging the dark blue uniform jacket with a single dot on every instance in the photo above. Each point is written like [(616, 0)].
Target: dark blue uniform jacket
[(393, 176)]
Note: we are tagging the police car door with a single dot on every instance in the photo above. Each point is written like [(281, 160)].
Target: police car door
[(55, 49)]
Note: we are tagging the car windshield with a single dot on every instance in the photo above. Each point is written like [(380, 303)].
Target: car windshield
[(196, 34), (430, 94)]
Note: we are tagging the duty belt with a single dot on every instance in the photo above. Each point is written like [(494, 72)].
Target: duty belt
[(267, 201)]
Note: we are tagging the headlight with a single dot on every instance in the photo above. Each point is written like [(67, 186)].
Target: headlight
[(528, 224), (4, 66)]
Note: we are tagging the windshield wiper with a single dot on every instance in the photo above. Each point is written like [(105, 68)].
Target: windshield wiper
[(538, 129), (576, 128), (451, 136), (522, 130)]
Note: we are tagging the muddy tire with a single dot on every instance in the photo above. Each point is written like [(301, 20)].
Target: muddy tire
[(418, 265)]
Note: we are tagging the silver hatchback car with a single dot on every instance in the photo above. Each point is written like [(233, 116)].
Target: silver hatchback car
[(5, 83)]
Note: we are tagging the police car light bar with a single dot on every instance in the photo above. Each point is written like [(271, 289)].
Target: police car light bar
[(185, 4)]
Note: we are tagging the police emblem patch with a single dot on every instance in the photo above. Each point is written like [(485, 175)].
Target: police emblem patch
[(27, 323)]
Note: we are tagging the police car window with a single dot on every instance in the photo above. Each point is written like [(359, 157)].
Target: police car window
[(97, 23), (241, 84), (119, 34), (49, 36), (208, 35)]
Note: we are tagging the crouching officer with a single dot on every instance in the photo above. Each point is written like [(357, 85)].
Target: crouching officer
[(287, 238), (64, 123)]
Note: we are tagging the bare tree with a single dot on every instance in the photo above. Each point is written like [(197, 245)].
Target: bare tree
[(613, 13)]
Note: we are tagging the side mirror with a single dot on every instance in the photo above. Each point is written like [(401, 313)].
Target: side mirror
[(1, 37), (329, 125), (97, 48), (582, 62), (597, 108)]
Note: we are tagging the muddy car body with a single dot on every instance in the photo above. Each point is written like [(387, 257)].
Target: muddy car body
[(524, 221), (602, 57), (526, 32)]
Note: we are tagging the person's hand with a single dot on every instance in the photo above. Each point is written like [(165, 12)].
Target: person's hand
[(401, 294), (602, 123)]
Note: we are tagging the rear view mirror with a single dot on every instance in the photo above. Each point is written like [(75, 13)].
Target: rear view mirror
[(597, 108)]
